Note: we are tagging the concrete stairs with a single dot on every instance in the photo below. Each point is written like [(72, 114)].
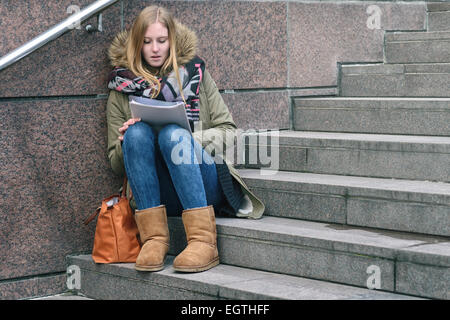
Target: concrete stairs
[(369, 155), (226, 281), (374, 162), (416, 64), (395, 80), (391, 204), (360, 197), (438, 16), (375, 115)]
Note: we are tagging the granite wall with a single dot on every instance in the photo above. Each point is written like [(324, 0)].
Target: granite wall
[(53, 163)]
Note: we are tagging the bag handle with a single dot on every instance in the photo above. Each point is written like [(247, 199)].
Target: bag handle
[(124, 189), (92, 216), (123, 194)]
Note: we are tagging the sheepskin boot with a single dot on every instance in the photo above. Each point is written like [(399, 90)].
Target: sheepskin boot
[(154, 235), (201, 252)]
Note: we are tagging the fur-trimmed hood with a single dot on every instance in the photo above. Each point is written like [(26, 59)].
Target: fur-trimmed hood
[(186, 41)]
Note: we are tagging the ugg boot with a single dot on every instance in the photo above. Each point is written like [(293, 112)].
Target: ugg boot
[(201, 252), (154, 235)]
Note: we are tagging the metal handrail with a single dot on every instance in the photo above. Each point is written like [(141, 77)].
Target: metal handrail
[(54, 32)]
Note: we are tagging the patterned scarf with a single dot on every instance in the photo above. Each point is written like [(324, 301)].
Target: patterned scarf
[(191, 75)]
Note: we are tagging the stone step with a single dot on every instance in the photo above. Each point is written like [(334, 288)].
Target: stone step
[(395, 80), (417, 47), (401, 205), (415, 116), (397, 262), (122, 281), (369, 155), (63, 296), (439, 21), (438, 16), (439, 5)]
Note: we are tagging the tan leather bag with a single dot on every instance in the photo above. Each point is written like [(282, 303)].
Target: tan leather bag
[(116, 233)]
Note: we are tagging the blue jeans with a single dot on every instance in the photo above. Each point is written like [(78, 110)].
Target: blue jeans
[(169, 167)]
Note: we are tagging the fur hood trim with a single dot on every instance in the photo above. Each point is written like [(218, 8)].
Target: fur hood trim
[(185, 38)]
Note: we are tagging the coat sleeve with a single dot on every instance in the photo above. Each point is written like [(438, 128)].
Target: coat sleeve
[(220, 116), (219, 132), (115, 117)]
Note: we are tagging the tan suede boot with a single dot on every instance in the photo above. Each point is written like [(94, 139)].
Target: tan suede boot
[(154, 234), (201, 252)]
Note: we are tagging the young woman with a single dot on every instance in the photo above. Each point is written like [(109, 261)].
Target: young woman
[(157, 59)]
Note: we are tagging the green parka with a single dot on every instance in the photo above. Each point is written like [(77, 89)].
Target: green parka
[(215, 118)]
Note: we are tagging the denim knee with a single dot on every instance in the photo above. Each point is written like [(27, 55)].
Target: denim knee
[(170, 135), (176, 145), (139, 134)]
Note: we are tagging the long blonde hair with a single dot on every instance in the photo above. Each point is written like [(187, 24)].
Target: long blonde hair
[(135, 41)]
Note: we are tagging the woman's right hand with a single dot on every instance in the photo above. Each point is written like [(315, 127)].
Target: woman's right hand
[(125, 126)]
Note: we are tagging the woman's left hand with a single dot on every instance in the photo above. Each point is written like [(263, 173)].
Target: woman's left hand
[(126, 125)]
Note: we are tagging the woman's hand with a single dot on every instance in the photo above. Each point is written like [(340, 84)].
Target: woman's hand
[(125, 126)]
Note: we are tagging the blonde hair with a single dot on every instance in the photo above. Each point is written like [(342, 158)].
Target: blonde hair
[(135, 41)]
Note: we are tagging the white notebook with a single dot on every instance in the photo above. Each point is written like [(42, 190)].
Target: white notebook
[(159, 113)]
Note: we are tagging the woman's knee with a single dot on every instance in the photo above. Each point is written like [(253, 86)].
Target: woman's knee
[(173, 134), (175, 144), (138, 134)]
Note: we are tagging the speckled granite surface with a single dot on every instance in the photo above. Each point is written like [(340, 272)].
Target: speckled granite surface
[(243, 43), (271, 108), (54, 174), (33, 287), (74, 64), (321, 34)]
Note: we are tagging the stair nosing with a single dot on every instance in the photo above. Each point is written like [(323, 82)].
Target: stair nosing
[(374, 98), (362, 137), (428, 144), (227, 290), (350, 183), (434, 36), (377, 243), (391, 69)]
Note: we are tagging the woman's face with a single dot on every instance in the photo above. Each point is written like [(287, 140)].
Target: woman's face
[(156, 45)]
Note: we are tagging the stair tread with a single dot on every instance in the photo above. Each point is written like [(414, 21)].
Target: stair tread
[(375, 115), (363, 137), (394, 185), (425, 79), (404, 246), (231, 282), (412, 36), (438, 6), (375, 98), (396, 68)]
